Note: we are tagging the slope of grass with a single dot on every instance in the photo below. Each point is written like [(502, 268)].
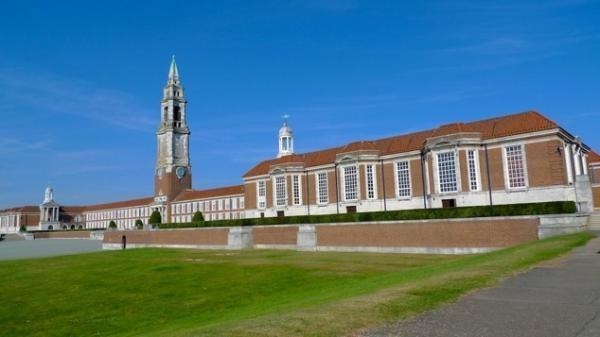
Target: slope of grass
[(165, 292)]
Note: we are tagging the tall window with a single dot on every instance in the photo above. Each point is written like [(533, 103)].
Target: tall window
[(447, 172), (350, 183), (403, 179), (370, 173), (296, 189), (280, 192), (473, 175), (322, 192), (515, 166), (262, 194)]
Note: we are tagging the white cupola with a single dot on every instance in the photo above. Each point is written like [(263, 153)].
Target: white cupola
[(48, 195), (286, 140)]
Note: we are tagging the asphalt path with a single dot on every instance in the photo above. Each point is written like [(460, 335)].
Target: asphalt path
[(559, 298)]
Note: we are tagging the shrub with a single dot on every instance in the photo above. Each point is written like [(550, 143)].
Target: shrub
[(198, 217), (554, 207), (155, 218), (139, 224), (112, 225), (22, 229)]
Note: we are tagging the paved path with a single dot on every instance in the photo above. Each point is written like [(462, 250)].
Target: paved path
[(558, 298), (10, 250)]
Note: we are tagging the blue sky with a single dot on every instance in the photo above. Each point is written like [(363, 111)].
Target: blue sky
[(80, 84)]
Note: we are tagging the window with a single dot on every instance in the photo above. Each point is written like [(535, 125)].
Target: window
[(241, 203), (515, 167), (350, 183), (296, 189), (322, 192), (280, 191), (473, 170), (403, 179), (370, 172), (262, 193), (447, 172)]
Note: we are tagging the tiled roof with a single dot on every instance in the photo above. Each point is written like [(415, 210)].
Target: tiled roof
[(210, 193), (121, 204), (24, 209), (509, 125), (593, 157), (73, 209)]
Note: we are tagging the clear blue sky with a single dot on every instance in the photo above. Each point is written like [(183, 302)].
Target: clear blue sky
[(80, 84)]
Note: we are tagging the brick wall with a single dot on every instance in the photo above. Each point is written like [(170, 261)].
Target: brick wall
[(62, 235), (275, 235), (250, 195), (416, 177), (204, 236), (545, 164), (444, 234)]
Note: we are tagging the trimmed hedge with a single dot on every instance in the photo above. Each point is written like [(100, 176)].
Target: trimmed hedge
[(540, 208)]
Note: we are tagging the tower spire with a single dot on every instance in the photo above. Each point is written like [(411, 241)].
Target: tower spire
[(173, 71)]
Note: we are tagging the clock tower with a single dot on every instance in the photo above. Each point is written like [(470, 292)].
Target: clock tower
[(173, 170)]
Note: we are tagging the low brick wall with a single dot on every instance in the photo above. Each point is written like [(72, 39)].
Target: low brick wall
[(451, 236), (62, 235), (461, 233), (191, 238), (275, 236)]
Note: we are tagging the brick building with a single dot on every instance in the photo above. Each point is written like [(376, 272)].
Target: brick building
[(515, 158)]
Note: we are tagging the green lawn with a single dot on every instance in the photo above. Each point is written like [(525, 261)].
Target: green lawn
[(167, 292)]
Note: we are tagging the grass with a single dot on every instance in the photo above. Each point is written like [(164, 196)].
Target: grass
[(166, 292)]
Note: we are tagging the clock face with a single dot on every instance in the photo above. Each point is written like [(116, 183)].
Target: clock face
[(180, 172), (159, 172)]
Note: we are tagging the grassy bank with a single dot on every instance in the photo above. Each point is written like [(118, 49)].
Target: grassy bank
[(153, 292)]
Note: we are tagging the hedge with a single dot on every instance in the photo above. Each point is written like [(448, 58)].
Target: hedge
[(540, 208)]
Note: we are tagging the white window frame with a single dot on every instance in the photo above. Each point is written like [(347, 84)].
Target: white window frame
[(397, 181), (261, 200), (317, 186), (276, 200), (475, 167), (357, 185), (505, 167), (373, 180), (296, 190), (456, 171)]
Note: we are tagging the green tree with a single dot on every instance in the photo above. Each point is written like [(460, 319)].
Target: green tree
[(155, 218), (112, 224), (198, 217), (139, 224)]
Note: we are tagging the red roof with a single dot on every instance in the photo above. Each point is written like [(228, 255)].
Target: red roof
[(509, 125), (210, 193), (593, 157), (120, 204), (23, 209)]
